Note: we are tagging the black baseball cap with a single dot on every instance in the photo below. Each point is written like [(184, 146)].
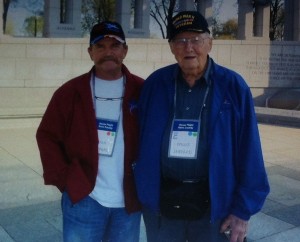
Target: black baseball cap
[(187, 21), (107, 29)]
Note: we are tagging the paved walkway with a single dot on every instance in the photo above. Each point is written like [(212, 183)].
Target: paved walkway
[(30, 211)]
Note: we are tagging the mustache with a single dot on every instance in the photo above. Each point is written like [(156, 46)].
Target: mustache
[(108, 58)]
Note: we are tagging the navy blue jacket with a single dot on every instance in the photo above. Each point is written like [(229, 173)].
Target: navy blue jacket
[(237, 176)]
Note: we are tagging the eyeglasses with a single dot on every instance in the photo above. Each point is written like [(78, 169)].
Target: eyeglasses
[(183, 42), (108, 98)]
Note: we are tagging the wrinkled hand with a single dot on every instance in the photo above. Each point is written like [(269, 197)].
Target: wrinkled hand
[(237, 226)]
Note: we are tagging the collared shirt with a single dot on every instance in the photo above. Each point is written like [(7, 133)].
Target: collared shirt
[(189, 102)]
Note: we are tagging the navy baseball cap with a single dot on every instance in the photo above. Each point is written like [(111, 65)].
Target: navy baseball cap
[(187, 21), (107, 29)]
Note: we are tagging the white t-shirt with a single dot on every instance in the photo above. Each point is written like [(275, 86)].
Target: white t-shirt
[(108, 190)]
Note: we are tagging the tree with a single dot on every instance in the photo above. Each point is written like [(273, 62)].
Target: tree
[(95, 11), (163, 11), (34, 26), (216, 25), (277, 20), (228, 29)]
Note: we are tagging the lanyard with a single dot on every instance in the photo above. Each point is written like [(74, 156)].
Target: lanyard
[(95, 98), (203, 104), (184, 134), (107, 128)]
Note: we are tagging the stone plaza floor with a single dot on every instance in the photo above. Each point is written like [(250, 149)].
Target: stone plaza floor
[(30, 211)]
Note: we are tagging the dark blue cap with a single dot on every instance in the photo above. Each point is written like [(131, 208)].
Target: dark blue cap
[(107, 29), (187, 21)]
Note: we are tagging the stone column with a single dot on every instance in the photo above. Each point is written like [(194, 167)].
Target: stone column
[(123, 14), (141, 18), (292, 20), (297, 21), (1, 19), (62, 22), (138, 14), (262, 21), (245, 19)]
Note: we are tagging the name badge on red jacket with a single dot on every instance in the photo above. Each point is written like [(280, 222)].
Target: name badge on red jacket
[(107, 133)]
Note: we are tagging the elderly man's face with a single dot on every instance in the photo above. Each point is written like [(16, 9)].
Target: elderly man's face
[(190, 50)]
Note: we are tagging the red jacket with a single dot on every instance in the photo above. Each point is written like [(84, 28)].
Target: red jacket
[(68, 141)]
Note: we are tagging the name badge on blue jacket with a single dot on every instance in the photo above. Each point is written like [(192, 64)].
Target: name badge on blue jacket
[(107, 132), (184, 139)]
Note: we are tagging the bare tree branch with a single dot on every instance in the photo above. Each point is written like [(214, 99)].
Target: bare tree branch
[(277, 19), (162, 12)]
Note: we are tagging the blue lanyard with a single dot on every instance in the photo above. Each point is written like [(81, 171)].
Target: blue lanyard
[(203, 104), (95, 98)]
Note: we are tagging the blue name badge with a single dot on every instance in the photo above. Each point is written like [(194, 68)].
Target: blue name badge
[(107, 132), (184, 139)]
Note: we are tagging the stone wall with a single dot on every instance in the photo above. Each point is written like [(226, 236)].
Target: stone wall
[(31, 69)]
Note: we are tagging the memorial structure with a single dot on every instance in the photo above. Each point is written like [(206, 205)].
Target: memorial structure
[(253, 19), (1, 19), (62, 18), (292, 20), (31, 69), (135, 25)]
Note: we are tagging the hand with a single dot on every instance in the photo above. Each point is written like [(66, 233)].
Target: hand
[(237, 226)]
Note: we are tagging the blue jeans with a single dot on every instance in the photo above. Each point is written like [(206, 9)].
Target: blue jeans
[(88, 221), (162, 229)]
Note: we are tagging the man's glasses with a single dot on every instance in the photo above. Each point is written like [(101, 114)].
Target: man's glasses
[(108, 98), (183, 42)]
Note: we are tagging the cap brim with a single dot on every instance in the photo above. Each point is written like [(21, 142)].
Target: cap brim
[(109, 36), (201, 31)]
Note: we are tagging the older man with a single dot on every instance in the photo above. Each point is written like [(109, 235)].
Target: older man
[(200, 170)]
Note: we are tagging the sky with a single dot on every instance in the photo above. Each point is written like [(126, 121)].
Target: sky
[(19, 11), (16, 19), (228, 10)]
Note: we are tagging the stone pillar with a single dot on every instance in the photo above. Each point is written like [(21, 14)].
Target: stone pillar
[(297, 21), (123, 14), (1, 19), (292, 20), (248, 27), (141, 18), (262, 21), (62, 20), (245, 19), (138, 14)]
